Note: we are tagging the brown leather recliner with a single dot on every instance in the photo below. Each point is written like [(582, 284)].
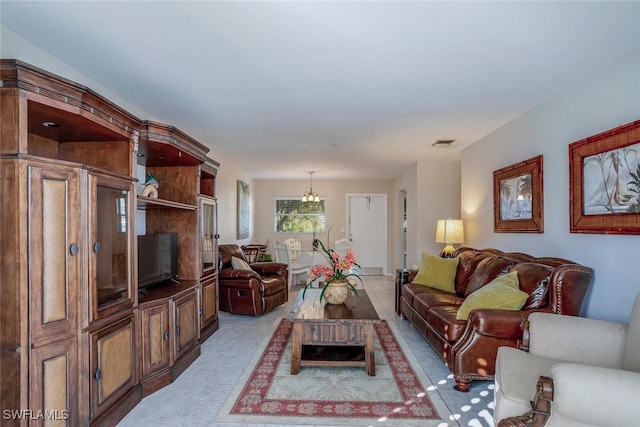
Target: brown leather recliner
[(250, 292)]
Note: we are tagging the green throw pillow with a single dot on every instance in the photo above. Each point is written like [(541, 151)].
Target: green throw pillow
[(437, 272), (503, 293)]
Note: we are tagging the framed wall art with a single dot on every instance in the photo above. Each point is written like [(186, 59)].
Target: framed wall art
[(604, 182), (517, 198), (243, 210)]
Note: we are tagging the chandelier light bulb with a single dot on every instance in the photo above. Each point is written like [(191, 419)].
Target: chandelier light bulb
[(311, 196)]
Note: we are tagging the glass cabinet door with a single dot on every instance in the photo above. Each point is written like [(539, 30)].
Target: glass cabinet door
[(208, 235), (111, 244)]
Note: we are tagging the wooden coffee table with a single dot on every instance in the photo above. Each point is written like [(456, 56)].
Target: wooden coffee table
[(331, 335)]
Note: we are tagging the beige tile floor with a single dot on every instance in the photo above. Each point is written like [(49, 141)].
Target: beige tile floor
[(196, 396)]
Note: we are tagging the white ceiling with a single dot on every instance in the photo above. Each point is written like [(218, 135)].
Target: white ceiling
[(346, 89)]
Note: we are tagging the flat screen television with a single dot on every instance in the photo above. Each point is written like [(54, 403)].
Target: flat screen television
[(157, 259)]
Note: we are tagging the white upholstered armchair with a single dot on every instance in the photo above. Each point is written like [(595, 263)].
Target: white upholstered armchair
[(578, 372)]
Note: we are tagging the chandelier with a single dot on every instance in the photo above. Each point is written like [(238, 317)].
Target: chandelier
[(310, 196)]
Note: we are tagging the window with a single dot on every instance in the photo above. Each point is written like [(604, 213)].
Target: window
[(295, 216), (121, 209)]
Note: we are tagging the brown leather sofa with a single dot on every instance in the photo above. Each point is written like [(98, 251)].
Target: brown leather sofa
[(469, 347), (250, 292)]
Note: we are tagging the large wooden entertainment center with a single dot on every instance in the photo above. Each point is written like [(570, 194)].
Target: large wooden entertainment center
[(79, 345)]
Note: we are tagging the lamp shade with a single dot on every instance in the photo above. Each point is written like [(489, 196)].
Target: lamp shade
[(449, 231)]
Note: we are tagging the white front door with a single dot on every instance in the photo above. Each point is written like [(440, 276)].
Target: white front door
[(367, 230)]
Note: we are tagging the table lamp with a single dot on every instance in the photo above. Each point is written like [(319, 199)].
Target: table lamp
[(449, 231)]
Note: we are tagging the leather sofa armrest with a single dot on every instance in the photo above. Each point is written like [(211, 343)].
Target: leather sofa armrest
[(504, 324), (412, 275), (270, 268), (231, 274)]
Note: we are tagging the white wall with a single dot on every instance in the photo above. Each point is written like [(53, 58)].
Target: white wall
[(609, 98), (433, 193), (335, 192), (13, 46), (407, 181), (227, 195), (438, 198)]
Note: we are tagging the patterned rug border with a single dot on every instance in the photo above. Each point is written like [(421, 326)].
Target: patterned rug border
[(419, 407)]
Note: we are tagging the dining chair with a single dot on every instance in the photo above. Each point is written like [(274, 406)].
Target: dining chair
[(294, 247), (297, 271), (340, 246)]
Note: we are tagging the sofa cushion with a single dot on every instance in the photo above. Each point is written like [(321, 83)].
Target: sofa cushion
[(410, 290), (437, 272), (502, 293), (442, 319), (239, 264), (424, 301), (468, 261), (534, 280), (487, 270)]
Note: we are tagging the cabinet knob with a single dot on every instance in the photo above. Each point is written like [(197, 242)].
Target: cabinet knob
[(178, 330), (73, 249), (98, 374), (96, 247), (166, 336)]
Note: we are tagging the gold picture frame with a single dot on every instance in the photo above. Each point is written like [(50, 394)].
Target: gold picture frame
[(517, 198), (604, 182)]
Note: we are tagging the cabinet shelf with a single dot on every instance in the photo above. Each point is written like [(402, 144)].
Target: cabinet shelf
[(147, 203), (165, 291)]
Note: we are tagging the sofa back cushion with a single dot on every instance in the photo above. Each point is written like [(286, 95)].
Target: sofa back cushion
[(226, 252), (534, 280), (487, 270), (468, 261)]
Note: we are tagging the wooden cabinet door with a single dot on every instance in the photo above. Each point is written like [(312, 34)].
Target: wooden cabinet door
[(54, 386), (55, 247), (187, 323), (209, 302), (112, 364), (110, 245), (155, 338), (207, 212)]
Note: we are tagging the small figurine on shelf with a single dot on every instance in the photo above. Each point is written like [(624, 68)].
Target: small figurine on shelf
[(150, 187)]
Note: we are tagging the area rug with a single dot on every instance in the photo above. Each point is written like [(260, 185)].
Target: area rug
[(397, 396)]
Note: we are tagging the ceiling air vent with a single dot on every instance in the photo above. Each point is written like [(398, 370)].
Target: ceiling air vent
[(442, 142)]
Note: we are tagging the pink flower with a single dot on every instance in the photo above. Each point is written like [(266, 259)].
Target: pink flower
[(339, 268)]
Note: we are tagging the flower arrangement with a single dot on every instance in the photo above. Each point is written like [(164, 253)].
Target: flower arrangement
[(338, 270)]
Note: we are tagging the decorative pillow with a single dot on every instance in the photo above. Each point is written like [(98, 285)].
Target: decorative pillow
[(239, 264), (436, 272), (534, 279), (502, 293)]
